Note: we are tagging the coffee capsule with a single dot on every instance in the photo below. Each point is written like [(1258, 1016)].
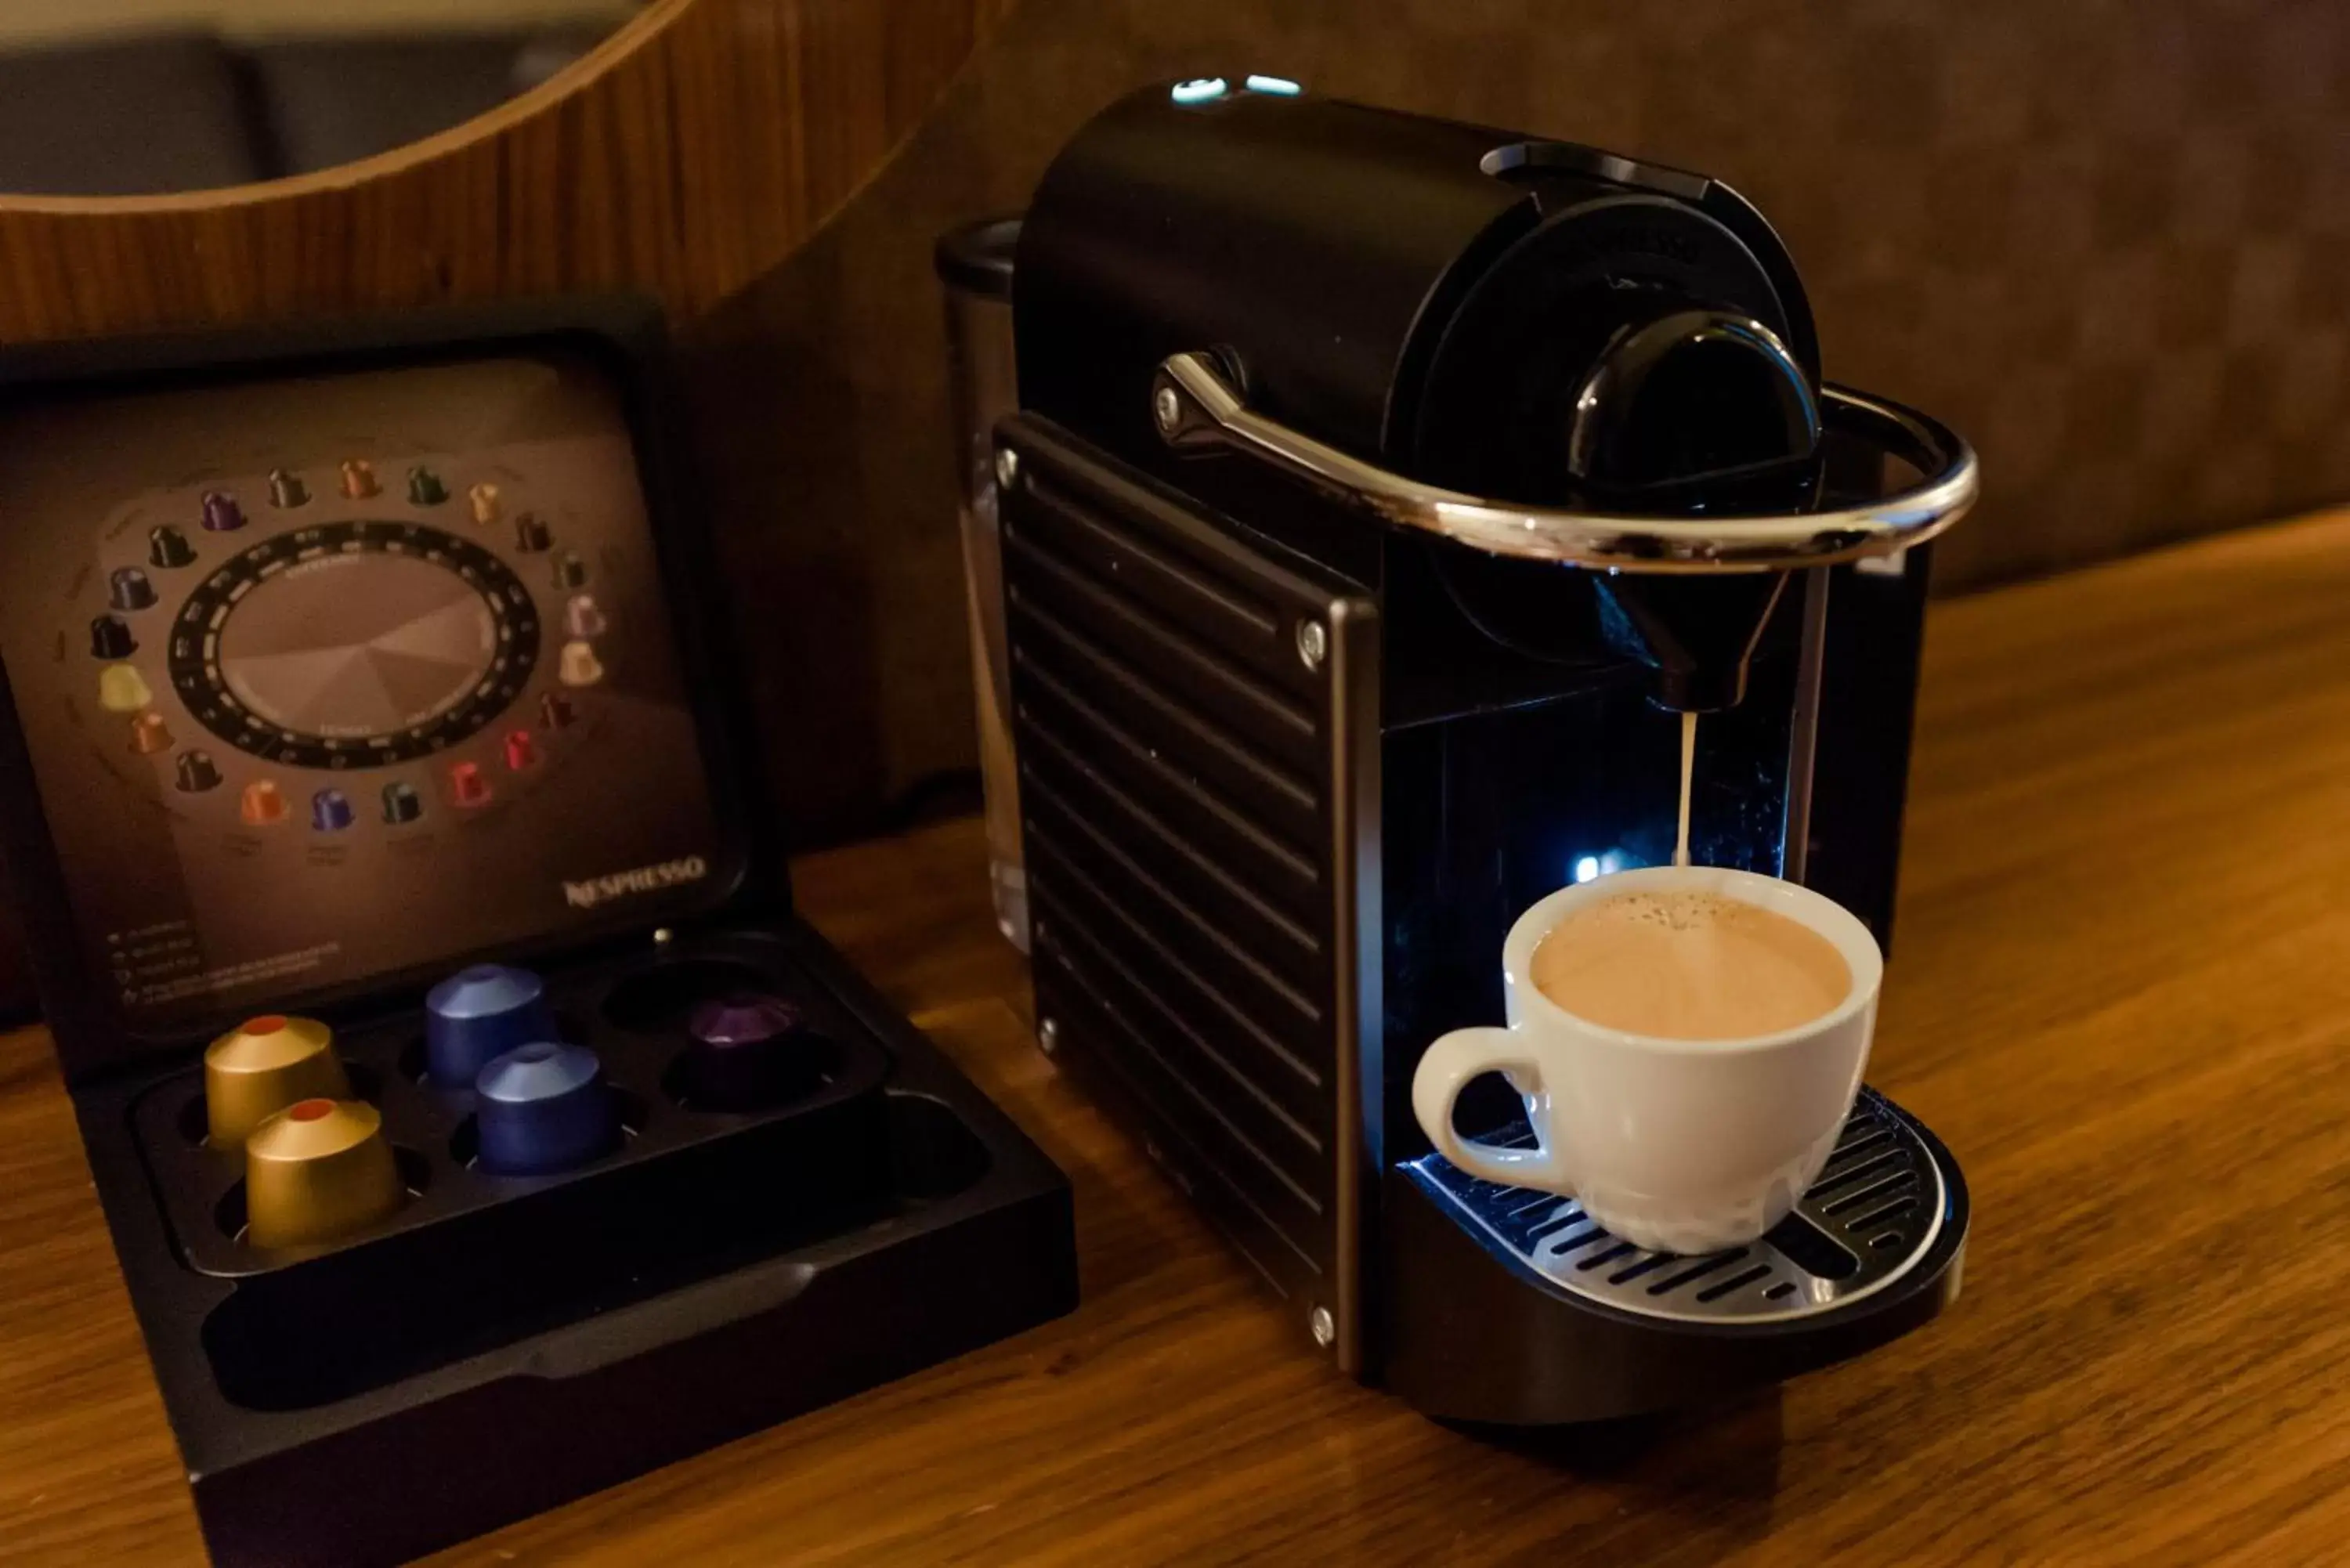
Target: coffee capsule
[(531, 535), (359, 479), (196, 772), (424, 488), (570, 571), (522, 750), (264, 1065), (287, 489), (466, 785), (583, 617), (483, 499), (123, 689), (317, 1171), (401, 803), (557, 711), (150, 733), (543, 1107), (222, 514), (262, 803), (129, 589), (478, 1013), (110, 637), (167, 546), (578, 666), (748, 1051), (330, 811)]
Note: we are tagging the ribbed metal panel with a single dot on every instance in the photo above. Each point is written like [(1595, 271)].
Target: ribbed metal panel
[(1197, 784)]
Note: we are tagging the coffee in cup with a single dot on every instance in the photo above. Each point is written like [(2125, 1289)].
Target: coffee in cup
[(1687, 1041), (1688, 965)]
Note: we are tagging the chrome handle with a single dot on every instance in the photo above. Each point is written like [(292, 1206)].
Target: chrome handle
[(1196, 408)]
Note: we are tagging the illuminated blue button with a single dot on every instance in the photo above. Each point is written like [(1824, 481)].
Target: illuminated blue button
[(1279, 86), (1199, 89)]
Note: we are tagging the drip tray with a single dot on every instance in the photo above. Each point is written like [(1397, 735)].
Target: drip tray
[(1876, 1210)]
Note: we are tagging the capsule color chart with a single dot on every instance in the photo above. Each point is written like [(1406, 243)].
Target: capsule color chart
[(389, 644)]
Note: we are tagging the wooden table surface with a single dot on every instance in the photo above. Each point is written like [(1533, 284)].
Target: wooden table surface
[(2121, 992)]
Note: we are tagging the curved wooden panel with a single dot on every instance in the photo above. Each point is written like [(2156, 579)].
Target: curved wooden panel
[(691, 152)]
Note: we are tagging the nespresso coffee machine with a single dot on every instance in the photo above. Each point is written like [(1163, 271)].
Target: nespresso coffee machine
[(1384, 489)]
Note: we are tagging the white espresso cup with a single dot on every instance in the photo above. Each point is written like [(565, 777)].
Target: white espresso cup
[(1679, 1146)]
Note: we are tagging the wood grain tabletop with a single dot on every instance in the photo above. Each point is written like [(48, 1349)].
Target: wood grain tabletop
[(2120, 992)]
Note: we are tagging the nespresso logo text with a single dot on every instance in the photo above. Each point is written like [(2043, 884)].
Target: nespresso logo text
[(643, 880)]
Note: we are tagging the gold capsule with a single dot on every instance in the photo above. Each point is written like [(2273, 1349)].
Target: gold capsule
[(264, 1065), (317, 1171)]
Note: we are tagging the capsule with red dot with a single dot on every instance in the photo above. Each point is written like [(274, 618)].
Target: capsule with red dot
[(466, 785)]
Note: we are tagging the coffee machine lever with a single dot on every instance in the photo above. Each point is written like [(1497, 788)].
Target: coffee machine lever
[(1383, 487)]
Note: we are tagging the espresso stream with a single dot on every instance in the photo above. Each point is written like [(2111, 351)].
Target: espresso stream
[(1688, 762), (1690, 966)]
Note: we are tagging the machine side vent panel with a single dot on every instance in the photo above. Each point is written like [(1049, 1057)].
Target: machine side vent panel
[(1178, 761)]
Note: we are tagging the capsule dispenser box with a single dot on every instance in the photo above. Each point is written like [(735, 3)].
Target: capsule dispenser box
[(482, 1344)]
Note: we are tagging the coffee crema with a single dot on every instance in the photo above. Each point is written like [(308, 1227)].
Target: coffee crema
[(1690, 966)]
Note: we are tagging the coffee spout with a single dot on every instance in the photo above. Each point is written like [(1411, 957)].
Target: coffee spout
[(1696, 634), (1694, 411)]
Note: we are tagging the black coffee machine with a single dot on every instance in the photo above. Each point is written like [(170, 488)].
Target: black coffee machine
[(1304, 719)]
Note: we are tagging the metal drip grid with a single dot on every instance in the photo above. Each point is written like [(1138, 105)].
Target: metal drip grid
[(1875, 1209)]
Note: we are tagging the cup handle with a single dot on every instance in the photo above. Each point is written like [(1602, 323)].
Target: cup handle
[(1446, 1068)]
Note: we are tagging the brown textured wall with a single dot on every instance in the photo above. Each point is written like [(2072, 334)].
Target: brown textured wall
[(2104, 239)]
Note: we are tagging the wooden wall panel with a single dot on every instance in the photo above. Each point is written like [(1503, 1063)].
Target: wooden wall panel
[(689, 154)]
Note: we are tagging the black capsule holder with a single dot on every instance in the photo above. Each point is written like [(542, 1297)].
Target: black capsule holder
[(506, 1342), (473, 1254)]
